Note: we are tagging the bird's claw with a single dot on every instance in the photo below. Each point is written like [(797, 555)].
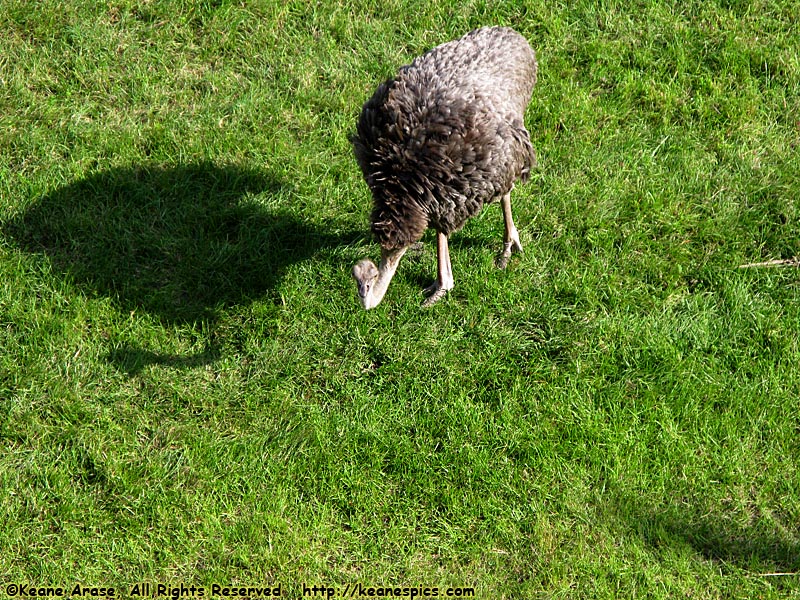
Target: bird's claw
[(434, 292), (437, 295), (508, 249)]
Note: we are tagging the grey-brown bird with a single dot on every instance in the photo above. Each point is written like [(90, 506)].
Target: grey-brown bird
[(437, 143)]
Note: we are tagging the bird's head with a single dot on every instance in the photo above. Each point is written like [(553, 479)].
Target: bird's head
[(366, 274), (372, 281)]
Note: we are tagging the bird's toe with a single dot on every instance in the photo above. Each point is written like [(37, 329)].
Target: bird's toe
[(431, 289), (437, 295), (508, 249), (435, 292)]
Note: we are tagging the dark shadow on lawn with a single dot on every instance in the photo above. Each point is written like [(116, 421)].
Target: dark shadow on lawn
[(132, 360), (762, 546), (179, 243)]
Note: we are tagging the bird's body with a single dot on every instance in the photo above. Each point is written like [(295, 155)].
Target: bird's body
[(441, 140)]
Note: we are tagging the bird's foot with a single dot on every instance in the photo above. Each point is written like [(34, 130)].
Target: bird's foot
[(508, 249), (434, 298), (434, 292)]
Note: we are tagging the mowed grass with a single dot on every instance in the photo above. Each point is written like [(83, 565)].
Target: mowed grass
[(189, 392)]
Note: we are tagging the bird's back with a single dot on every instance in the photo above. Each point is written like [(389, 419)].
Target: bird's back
[(447, 134), (492, 65)]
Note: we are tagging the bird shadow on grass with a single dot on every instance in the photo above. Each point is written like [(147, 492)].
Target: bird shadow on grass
[(179, 243)]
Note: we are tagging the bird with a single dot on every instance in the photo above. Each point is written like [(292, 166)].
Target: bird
[(436, 143)]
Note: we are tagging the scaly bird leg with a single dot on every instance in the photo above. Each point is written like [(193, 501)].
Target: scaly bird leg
[(511, 241), (444, 279)]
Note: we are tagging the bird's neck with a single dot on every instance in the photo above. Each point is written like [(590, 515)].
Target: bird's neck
[(386, 269)]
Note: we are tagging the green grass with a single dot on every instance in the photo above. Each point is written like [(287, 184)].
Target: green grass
[(189, 392)]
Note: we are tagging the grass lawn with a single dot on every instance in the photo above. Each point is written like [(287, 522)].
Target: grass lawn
[(190, 392)]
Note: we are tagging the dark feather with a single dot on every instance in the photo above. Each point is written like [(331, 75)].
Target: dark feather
[(446, 136)]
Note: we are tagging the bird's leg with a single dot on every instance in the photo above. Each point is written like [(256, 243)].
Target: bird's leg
[(511, 241), (444, 279)]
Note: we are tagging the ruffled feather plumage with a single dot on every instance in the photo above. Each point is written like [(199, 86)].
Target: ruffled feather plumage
[(446, 136)]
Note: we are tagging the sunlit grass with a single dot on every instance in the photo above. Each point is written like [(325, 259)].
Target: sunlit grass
[(189, 391)]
